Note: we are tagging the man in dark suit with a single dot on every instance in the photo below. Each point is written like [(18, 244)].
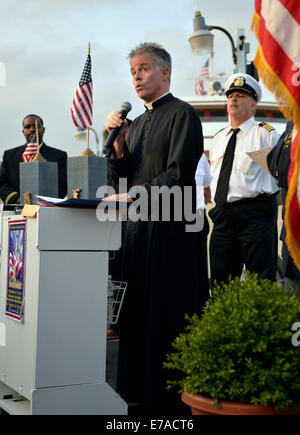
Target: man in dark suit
[(9, 172)]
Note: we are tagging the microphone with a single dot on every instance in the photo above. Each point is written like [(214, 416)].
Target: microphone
[(108, 146)]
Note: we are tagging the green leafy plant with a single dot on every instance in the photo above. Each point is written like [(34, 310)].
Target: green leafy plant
[(241, 349)]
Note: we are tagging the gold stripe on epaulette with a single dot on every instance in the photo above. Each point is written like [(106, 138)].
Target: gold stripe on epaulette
[(266, 126), (10, 196), (288, 139)]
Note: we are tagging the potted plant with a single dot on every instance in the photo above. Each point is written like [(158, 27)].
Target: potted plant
[(241, 356)]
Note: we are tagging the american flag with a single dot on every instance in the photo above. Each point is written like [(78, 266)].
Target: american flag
[(204, 74), (277, 27), (19, 269), (30, 150), (11, 265), (82, 107), (199, 87), (15, 265)]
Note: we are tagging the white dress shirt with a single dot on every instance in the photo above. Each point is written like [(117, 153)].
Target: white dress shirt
[(247, 178), (203, 179)]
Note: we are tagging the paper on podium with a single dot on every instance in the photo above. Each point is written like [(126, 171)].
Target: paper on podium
[(30, 210), (47, 201), (260, 157)]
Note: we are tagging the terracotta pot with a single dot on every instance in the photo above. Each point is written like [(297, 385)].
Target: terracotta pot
[(201, 405)]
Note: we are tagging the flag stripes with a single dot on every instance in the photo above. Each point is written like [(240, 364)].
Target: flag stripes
[(31, 150), (199, 87), (82, 107), (278, 50), (290, 6), (204, 74), (277, 27), (15, 266)]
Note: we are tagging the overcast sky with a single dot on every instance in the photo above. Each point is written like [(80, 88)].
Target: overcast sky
[(44, 47)]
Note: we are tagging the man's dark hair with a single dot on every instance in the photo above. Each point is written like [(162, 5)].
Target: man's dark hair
[(158, 53), (35, 116)]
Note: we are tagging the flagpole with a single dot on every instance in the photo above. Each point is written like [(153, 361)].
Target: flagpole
[(38, 156), (88, 138), (87, 151), (88, 129), (37, 137), (211, 72)]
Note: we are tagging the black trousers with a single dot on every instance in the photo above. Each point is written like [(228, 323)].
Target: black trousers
[(244, 232)]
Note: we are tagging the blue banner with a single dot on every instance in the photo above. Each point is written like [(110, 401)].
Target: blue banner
[(16, 269)]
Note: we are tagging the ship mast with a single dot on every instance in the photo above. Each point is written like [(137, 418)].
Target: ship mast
[(202, 41)]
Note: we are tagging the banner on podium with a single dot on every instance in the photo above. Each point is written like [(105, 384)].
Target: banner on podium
[(16, 270)]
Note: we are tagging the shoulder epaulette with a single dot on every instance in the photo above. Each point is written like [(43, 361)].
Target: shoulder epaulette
[(8, 198), (218, 132), (266, 126)]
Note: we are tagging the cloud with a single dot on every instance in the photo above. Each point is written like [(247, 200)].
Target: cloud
[(31, 9), (45, 49)]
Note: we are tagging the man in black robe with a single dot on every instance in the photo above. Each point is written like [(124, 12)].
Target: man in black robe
[(161, 259)]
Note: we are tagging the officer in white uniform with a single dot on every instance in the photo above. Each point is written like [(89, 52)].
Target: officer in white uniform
[(245, 215)]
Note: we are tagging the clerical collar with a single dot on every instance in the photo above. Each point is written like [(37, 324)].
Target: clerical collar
[(150, 106)]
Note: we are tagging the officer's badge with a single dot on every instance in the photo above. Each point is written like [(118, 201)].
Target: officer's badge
[(239, 81)]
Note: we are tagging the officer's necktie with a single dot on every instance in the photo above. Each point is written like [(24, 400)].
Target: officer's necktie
[(223, 181)]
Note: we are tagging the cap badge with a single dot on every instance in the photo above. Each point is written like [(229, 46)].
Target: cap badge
[(239, 81)]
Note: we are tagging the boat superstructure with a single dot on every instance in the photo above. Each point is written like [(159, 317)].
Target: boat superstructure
[(212, 113)]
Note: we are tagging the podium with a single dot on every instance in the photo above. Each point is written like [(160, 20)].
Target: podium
[(54, 360)]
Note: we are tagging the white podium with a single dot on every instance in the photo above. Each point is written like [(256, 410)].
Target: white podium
[(54, 362)]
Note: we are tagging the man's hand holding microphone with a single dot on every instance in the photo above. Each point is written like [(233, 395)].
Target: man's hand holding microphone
[(117, 126)]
